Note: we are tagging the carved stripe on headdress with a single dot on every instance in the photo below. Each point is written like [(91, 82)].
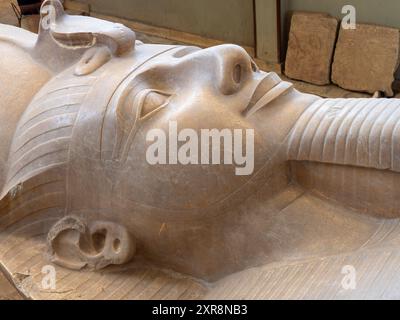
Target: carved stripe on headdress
[(356, 132), (36, 179)]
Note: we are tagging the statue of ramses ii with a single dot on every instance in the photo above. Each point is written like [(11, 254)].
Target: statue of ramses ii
[(82, 105)]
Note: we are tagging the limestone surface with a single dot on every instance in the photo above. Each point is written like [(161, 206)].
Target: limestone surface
[(311, 45), (366, 58)]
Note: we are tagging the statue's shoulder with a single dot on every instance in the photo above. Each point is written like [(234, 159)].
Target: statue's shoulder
[(19, 37)]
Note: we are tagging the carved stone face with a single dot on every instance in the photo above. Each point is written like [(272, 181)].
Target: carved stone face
[(217, 88), (196, 89), (221, 88), (98, 114), (82, 144)]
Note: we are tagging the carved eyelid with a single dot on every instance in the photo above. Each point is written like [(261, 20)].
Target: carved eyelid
[(140, 99), (125, 138)]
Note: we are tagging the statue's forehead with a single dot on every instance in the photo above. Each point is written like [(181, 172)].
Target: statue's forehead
[(148, 55), (119, 69)]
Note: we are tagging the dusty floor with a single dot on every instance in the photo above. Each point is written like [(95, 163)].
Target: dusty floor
[(7, 291)]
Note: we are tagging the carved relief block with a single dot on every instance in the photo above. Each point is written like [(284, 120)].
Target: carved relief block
[(311, 44), (366, 58)]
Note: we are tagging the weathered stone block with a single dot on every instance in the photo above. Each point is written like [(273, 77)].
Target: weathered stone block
[(366, 58), (311, 44)]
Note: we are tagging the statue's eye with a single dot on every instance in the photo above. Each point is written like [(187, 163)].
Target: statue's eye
[(152, 101)]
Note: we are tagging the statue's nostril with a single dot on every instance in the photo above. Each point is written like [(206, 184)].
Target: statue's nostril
[(237, 73), (254, 67)]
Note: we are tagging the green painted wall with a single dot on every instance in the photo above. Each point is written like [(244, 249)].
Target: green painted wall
[(383, 12), (227, 20), (235, 21)]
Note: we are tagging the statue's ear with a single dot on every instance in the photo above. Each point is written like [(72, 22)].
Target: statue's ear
[(74, 244), (63, 38)]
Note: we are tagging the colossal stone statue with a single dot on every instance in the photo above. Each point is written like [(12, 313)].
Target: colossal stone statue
[(77, 104)]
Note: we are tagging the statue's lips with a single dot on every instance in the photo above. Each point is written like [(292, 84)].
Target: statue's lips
[(269, 88)]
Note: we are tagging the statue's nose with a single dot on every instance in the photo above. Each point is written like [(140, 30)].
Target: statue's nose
[(235, 67)]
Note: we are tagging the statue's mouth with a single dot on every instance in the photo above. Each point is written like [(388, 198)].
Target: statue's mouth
[(268, 89)]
